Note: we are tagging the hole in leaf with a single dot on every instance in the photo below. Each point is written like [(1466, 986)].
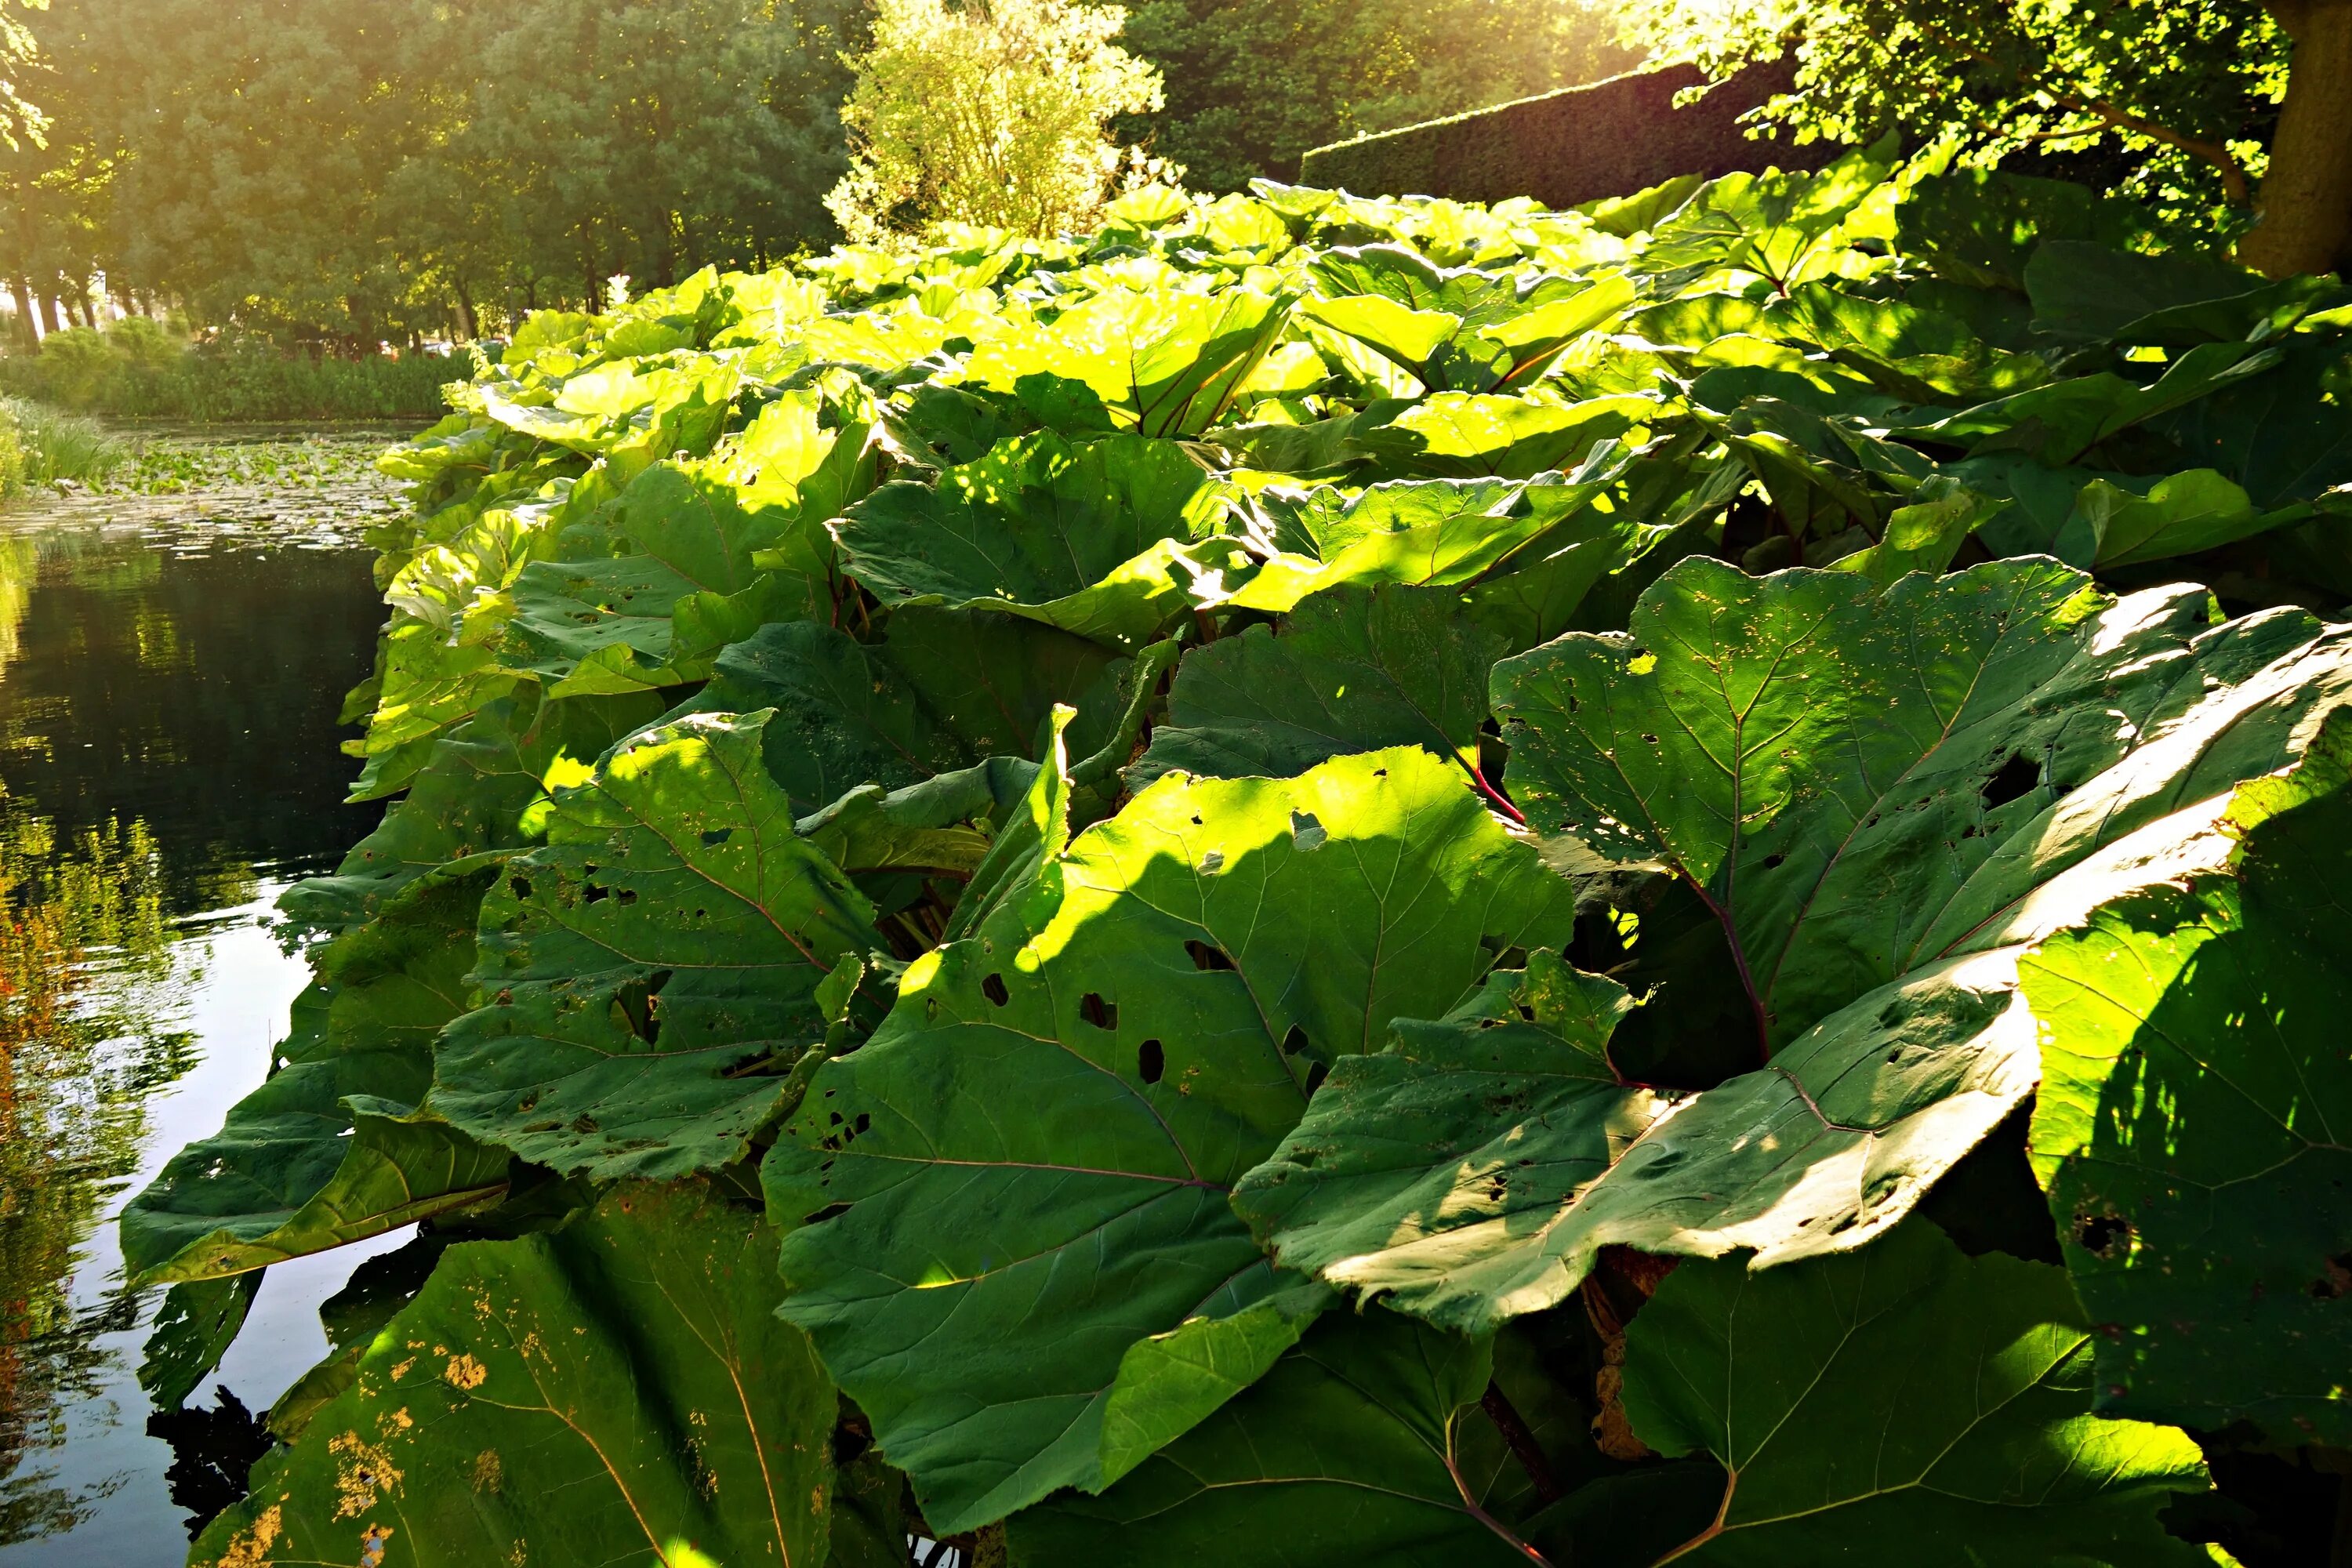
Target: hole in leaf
[(2017, 777), (1772, 861), (1150, 1061), (592, 894), (1098, 1012), (993, 989), (830, 1211), (522, 887), (1294, 1042), (2101, 1235), (1315, 1077), (2334, 1281), (625, 896), (863, 1122), (717, 836), (1205, 957)]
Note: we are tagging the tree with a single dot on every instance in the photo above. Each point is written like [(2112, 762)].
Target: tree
[(990, 114), (1253, 86), (2228, 113)]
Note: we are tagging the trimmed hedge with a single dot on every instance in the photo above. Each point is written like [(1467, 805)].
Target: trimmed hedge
[(1576, 145)]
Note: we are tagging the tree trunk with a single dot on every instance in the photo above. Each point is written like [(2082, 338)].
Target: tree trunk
[(28, 321), (466, 318), (2306, 197)]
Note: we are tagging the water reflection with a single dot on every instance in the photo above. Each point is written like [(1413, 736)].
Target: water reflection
[(171, 674)]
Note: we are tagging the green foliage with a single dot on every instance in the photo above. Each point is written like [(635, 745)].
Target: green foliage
[(625, 1380), (130, 374), (1356, 876), (40, 444), (988, 114)]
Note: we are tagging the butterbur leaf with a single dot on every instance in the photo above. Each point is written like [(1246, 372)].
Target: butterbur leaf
[(331, 1149), (1924, 535), (2179, 515), (2283, 434), (656, 616), (1784, 745), (1354, 669), (1025, 1170), (648, 973), (1161, 363), (945, 690), (1777, 224), (1094, 538), (1415, 1168), (193, 1329), (1903, 1393), (1429, 531), (1466, 435), (1031, 838), (2188, 1127), (620, 1388), (2062, 422), (1344, 1451), (1893, 1037), (2097, 291), (475, 795)]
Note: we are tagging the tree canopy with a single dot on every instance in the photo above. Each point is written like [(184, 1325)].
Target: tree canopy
[(2228, 116)]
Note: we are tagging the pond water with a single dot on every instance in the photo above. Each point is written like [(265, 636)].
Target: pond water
[(171, 665)]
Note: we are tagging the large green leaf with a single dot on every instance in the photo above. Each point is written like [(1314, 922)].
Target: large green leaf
[(1857, 778), (1877, 890), (473, 796), (1444, 531), (1024, 1172), (944, 691), (1345, 1451), (1777, 225), (1162, 364), (620, 1391), (655, 616), (649, 976), (2062, 422), (1906, 1393), (1468, 435), (2284, 435), (1355, 669), (331, 1149), (2189, 1124), (1096, 538)]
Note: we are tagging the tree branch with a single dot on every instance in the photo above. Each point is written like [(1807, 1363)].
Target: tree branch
[(2234, 185)]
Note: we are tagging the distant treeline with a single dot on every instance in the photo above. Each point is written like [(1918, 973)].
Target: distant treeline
[(340, 174)]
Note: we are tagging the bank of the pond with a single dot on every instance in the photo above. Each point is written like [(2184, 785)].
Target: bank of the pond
[(141, 374), (173, 653)]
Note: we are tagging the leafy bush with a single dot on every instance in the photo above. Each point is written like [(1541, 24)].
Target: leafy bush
[(1313, 954), (988, 113), (136, 370)]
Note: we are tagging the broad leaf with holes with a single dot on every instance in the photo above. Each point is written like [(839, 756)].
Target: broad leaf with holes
[(2193, 1117), (620, 1388), (1473, 1172), (1097, 538), (1026, 1273), (650, 977), (333, 1149), (1905, 1393)]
